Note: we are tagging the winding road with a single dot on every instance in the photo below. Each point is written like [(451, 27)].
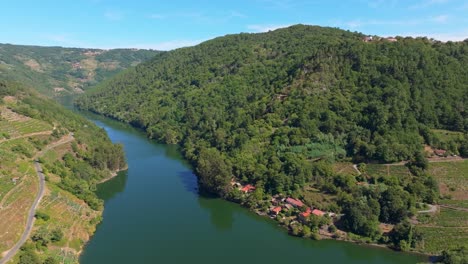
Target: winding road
[(31, 218), (40, 194)]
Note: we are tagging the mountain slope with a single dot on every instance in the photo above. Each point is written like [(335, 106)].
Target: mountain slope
[(59, 71), (278, 109)]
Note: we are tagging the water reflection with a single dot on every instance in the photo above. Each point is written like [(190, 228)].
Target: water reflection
[(109, 189), (189, 181), (221, 217)]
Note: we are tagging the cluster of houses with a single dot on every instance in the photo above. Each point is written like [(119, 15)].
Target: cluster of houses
[(370, 39), (245, 189), (280, 204)]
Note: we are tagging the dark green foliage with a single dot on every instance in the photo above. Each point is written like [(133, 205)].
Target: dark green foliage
[(459, 256), (41, 215), (51, 260), (395, 204), (28, 255), (56, 235), (361, 216), (213, 171), (404, 236)]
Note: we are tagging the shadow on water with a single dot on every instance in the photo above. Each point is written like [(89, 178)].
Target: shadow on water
[(189, 181), (109, 189), (221, 217)]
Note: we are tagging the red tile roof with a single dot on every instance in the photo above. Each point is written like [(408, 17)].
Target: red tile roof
[(318, 212), (294, 202), (440, 151), (276, 210), (248, 188), (306, 213)]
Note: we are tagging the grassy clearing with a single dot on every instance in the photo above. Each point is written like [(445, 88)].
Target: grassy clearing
[(452, 178), (381, 170), (344, 168)]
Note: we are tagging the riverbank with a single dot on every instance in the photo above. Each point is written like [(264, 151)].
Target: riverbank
[(294, 225), (113, 174)]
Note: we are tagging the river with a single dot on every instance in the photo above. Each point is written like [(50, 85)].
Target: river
[(154, 214)]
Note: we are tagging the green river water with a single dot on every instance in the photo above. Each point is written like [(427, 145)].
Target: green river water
[(154, 214)]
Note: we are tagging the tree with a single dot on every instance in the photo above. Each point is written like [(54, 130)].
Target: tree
[(457, 256), (213, 171), (394, 204), (361, 216)]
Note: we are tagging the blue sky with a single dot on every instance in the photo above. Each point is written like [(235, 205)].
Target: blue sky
[(171, 24)]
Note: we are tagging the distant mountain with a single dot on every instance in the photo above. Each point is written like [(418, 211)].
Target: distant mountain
[(58, 71)]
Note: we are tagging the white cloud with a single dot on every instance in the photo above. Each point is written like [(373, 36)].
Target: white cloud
[(266, 28)]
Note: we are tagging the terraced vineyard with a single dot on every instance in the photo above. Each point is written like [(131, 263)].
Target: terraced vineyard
[(18, 180), (70, 215), (22, 139)]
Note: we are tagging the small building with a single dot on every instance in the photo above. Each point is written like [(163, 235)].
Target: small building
[(248, 188), (391, 39), (288, 206), (367, 39), (294, 202), (275, 211), (440, 152), (318, 212), (304, 216)]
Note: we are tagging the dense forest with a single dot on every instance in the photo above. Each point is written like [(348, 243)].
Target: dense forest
[(56, 71), (277, 109), (93, 156)]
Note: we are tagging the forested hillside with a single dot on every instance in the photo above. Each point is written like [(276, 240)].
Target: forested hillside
[(278, 109), (56, 71), (74, 155)]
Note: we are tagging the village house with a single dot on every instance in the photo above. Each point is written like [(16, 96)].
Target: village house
[(248, 188), (304, 216), (440, 152), (318, 212), (275, 211), (367, 39), (391, 39), (294, 202)]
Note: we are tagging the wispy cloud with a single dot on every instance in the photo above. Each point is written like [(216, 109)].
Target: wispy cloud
[(265, 28), (381, 3), (113, 15), (278, 4), (358, 23), (163, 45), (200, 17), (442, 36), (157, 16), (441, 18), (428, 3)]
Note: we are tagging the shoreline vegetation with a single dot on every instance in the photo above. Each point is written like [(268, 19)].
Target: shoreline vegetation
[(281, 110)]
